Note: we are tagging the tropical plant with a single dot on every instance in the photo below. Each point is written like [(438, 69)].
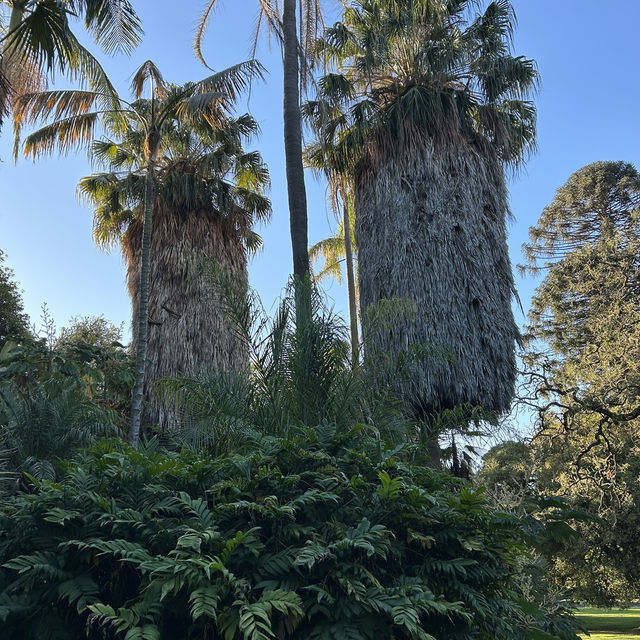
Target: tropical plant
[(426, 108), (208, 194), (48, 406), (324, 535), (37, 40), (340, 247), (13, 320), (74, 116), (296, 51), (298, 375)]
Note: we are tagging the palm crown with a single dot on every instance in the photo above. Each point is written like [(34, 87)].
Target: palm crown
[(423, 67), (201, 166)]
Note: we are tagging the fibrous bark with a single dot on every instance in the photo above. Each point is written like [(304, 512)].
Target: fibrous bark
[(189, 329), (430, 228)]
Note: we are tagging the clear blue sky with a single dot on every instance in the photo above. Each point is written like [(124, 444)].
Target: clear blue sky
[(588, 56)]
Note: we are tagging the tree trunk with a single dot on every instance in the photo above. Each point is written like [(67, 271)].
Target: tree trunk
[(8, 61), (17, 13), (430, 228), (293, 158), (143, 303), (189, 330), (351, 282)]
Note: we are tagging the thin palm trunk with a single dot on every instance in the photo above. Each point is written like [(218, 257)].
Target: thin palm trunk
[(351, 283), (17, 13), (293, 158), (143, 304)]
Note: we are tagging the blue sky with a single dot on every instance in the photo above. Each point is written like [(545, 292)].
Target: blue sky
[(587, 53)]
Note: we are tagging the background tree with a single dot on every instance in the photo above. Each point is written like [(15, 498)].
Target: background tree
[(74, 116), (13, 320), (209, 192), (432, 106), (582, 375)]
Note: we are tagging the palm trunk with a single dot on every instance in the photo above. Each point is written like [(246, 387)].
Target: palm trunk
[(293, 158), (17, 13), (6, 91), (430, 228), (190, 330), (143, 304), (351, 283)]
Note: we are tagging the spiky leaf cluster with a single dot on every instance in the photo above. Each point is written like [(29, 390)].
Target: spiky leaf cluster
[(402, 71), (202, 167)]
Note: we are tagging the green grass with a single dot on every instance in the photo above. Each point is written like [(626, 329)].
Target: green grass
[(611, 624)]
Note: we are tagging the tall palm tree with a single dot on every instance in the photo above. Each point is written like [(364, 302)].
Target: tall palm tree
[(208, 194), (36, 39), (335, 251), (340, 247), (431, 107), (73, 116), (296, 33)]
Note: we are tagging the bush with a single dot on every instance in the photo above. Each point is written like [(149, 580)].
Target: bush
[(321, 536)]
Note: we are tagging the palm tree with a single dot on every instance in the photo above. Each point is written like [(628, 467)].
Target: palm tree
[(74, 115), (334, 251), (430, 108), (208, 194), (37, 39), (340, 247), (296, 35)]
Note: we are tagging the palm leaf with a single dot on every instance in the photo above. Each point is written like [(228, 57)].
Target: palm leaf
[(42, 37), (64, 134), (114, 23), (148, 71), (232, 80), (201, 28)]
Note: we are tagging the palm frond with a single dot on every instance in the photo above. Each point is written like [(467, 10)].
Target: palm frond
[(114, 23), (201, 28), (148, 71), (42, 37), (232, 80), (32, 107), (64, 135)]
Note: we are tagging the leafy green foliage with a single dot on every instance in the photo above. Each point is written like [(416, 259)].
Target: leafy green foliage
[(299, 374), (55, 400), (13, 320), (322, 535), (582, 376)]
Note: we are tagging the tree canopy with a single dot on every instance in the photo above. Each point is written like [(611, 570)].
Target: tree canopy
[(582, 378), (13, 320)]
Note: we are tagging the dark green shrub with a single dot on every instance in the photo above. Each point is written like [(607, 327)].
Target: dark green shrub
[(322, 536)]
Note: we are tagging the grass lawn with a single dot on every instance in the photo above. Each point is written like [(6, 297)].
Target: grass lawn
[(611, 624)]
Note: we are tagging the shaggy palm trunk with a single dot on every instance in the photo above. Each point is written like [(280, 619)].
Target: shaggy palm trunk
[(189, 329), (293, 159), (430, 227), (351, 283), (8, 61), (142, 315)]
